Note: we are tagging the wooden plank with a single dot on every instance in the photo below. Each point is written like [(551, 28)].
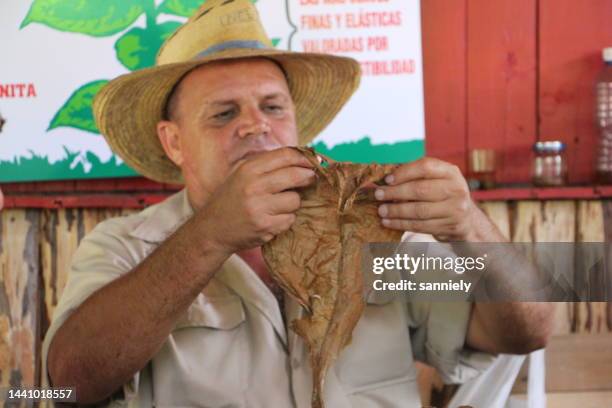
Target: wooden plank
[(579, 399), (607, 215), (498, 212), (525, 220), (545, 193), (502, 83), (572, 35), (444, 67), (558, 224), (38, 187), (140, 200), (94, 185), (19, 296), (570, 399), (62, 231), (579, 362), (60, 238), (550, 221), (590, 316)]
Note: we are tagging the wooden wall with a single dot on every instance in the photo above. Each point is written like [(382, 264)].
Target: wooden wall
[(36, 248), (503, 74), (35, 252)]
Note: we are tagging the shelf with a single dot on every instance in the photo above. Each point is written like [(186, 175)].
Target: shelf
[(140, 199), (108, 200), (544, 193)]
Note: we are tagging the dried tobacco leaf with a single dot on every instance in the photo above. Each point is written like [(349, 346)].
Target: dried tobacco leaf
[(317, 261)]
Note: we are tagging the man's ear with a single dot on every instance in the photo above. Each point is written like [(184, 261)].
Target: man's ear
[(168, 133)]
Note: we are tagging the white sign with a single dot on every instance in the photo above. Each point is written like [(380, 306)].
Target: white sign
[(56, 54)]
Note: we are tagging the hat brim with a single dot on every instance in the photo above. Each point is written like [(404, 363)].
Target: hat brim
[(129, 107)]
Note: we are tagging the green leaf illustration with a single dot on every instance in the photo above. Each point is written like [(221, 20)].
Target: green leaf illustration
[(183, 8), (97, 18), (77, 112), (138, 47), (275, 41)]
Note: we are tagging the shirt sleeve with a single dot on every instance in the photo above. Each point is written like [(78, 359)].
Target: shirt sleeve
[(438, 331), (102, 256)]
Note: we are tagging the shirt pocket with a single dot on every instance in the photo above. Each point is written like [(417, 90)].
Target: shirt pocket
[(379, 353), (224, 313), (203, 363)]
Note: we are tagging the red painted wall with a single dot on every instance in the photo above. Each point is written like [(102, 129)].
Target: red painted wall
[(503, 74)]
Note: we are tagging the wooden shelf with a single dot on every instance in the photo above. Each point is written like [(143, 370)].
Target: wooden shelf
[(543, 193), (116, 195), (95, 200)]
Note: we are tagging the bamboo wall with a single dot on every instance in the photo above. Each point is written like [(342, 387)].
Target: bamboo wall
[(36, 248)]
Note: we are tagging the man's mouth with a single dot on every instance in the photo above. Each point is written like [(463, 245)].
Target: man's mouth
[(252, 153)]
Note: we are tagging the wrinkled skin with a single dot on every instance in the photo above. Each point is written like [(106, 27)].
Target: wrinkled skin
[(318, 260)]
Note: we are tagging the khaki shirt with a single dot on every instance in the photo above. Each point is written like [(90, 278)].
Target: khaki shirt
[(232, 349)]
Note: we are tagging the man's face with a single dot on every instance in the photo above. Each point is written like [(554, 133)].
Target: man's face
[(223, 112)]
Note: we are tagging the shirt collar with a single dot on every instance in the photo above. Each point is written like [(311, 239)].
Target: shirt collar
[(162, 219)]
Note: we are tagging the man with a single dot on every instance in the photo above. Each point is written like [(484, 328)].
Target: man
[(175, 307)]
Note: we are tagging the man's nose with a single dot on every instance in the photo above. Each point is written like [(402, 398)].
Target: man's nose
[(254, 123)]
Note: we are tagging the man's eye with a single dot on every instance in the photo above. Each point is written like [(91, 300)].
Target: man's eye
[(274, 108), (228, 114)]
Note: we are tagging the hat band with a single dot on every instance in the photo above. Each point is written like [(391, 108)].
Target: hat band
[(231, 45)]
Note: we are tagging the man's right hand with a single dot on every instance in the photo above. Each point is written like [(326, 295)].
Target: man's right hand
[(256, 202)]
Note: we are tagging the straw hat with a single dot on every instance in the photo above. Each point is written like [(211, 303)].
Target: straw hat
[(128, 108)]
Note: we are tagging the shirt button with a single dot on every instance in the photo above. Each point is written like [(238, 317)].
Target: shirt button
[(295, 363)]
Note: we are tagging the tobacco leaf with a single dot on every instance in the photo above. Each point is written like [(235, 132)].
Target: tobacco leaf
[(318, 260)]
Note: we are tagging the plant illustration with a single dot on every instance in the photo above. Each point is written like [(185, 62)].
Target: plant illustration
[(135, 48)]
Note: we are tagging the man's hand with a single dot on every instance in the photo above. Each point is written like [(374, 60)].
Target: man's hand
[(256, 202), (431, 196)]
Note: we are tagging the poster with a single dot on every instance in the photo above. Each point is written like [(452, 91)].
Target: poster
[(56, 54)]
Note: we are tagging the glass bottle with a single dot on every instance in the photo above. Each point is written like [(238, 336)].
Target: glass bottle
[(549, 164), (603, 95)]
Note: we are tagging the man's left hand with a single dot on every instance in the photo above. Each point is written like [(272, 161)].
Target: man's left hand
[(431, 196)]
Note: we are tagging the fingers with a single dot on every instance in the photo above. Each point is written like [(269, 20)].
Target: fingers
[(275, 159), (419, 190), (275, 225), (416, 210), (285, 179), (425, 168), (283, 203)]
